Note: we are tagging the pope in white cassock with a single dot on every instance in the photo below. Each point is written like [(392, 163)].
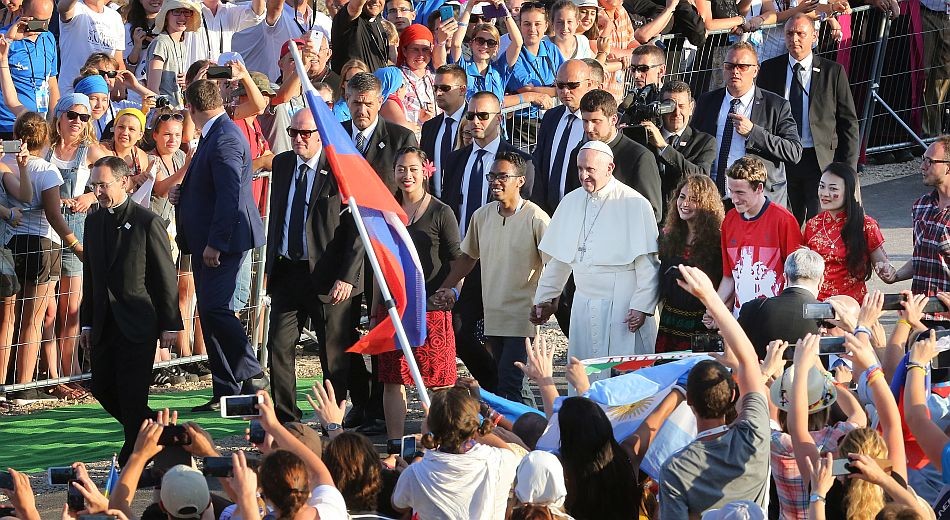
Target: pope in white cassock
[(606, 234)]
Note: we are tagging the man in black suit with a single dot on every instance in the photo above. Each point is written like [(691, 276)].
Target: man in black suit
[(561, 131), (219, 223), (780, 317), (820, 98), (679, 149), (440, 135), (130, 297), (748, 120), (465, 189), (314, 269), (376, 139), (635, 165)]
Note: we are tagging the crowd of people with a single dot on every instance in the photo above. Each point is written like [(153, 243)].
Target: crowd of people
[(159, 153)]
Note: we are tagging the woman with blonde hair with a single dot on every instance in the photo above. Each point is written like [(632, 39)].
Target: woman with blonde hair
[(350, 69), (486, 70), (690, 236)]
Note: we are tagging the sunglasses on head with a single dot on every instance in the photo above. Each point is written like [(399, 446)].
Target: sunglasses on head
[(532, 5), (294, 132), (175, 116), (482, 116), (568, 85), (72, 116), (643, 69), (109, 73), (485, 41)]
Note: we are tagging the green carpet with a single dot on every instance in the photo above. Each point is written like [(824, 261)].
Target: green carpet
[(85, 432)]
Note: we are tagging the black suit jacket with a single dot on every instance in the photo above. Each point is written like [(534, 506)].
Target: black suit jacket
[(694, 154), (453, 172), (778, 317), (334, 248), (831, 115), (543, 154), (430, 130), (136, 283), (386, 140), (774, 136), (634, 165)]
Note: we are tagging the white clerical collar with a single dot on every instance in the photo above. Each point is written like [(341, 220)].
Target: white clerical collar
[(206, 129), (312, 163), (491, 147), (745, 99), (607, 188), (806, 62)]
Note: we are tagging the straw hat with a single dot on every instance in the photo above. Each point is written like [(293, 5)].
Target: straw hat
[(169, 5)]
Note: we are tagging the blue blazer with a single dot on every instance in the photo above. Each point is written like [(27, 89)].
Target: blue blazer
[(216, 206)]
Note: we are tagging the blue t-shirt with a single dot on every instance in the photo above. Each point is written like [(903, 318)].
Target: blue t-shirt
[(535, 71), (341, 110), (424, 8), (494, 79), (31, 66)]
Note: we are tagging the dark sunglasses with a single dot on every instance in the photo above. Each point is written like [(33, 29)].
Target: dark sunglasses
[(444, 88), (728, 65), (484, 41), (166, 117), (643, 69), (482, 116), (294, 132), (72, 116), (567, 85), (109, 73)]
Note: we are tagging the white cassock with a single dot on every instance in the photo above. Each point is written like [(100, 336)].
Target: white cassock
[(608, 240)]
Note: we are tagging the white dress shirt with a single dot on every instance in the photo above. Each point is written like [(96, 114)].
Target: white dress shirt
[(805, 77), (311, 171), (577, 133), (737, 147), (207, 126), (437, 159), (487, 160), (368, 133)]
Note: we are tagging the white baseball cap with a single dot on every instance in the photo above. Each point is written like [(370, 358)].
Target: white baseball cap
[(185, 492)]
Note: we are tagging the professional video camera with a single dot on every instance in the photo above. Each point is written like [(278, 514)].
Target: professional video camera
[(643, 105)]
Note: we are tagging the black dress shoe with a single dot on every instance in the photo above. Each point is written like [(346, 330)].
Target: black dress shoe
[(354, 418), (254, 384), (214, 405), (372, 427)]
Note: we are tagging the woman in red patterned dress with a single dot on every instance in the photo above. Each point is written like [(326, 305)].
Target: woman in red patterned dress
[(849, 241), (435, 233)]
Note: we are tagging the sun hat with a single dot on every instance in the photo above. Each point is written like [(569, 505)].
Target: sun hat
[(821, 390), (194, 23)]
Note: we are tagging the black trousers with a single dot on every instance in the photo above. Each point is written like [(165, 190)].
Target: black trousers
[(563, 312), (467, 313), (803, 186), (230, 354), (293, 300), (121, 374)]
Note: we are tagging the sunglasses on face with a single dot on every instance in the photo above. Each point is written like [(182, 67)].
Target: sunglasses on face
[(294, 132), (643, 69), (444, 88), (166, 117), (743, 67), (72, 116), (482, 116), (490, 43), (108, 73), (568, 85)]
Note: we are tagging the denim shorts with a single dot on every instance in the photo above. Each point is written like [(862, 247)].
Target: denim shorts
[(71, 264)]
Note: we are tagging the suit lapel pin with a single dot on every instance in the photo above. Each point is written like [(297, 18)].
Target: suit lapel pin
[(323, 172), (815, 69), (382, 145), (127, 226)]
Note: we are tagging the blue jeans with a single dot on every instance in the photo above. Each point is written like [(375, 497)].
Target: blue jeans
[(242, 285), (512, 384)]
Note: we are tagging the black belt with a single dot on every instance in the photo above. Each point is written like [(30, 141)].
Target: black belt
[(284, 260)]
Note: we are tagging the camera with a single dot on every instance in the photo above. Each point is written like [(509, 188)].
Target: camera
[(644, 105), (162, 102)]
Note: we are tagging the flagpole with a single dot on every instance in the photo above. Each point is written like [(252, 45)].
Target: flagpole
[(371, 254), (390, 304)]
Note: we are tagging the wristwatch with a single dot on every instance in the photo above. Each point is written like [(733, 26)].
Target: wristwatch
[(332, 427), (815, 497)]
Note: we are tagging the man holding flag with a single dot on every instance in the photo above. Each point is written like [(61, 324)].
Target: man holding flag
[(313, 248)]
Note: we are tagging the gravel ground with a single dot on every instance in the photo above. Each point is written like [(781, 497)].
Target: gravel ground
[(308, 366)]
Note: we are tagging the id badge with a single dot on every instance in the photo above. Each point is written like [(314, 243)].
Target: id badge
[(42, 97)]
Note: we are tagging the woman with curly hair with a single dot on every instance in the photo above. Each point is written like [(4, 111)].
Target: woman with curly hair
[(467, 472), (690, 237), (366, 485), (847, 239)]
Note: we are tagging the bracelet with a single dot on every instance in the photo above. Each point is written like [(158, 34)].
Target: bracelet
[(520, 99), (455, 292), (73, 243), (875, 376), (463, 24), (911, 365), (905, 322), (861, 328)]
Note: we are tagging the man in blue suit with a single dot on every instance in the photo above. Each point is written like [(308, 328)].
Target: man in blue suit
[(218, 223)]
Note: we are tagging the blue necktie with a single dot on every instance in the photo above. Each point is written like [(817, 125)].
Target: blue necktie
[(473, 199), (721, 162)]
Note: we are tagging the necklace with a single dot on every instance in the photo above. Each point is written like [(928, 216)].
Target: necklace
[(587, 232), (412, 218)]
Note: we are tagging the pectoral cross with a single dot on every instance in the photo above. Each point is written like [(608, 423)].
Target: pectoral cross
[(582, 250)]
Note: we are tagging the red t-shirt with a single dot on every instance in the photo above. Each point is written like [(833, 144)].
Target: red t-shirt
[(754, 251), (823, 235), (255, 138)]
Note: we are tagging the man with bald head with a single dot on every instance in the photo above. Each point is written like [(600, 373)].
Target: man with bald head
[(605, 234), (561, 131), (314, 263)]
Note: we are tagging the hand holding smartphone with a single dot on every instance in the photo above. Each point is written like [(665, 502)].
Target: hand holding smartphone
[(236, 406)]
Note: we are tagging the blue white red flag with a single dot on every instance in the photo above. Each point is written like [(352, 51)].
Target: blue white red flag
[(385, 223)]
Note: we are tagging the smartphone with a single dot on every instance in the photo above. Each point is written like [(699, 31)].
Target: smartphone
[(217, 467), (219, 72), (393, 446), (100, 516), (6, 480), (841, 467), (257, 433), (446, 12), (674, 270), (892, 302), (490, 11), (12, 146), (240, 406), (934, 305), (74, 498), (174, 435), (408, 449), (827, 345), (818, 311), (35, 26), (60, 476), (707, 343)]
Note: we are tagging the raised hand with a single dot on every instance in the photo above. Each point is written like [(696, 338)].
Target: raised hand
[(325, 404), (540, 367)]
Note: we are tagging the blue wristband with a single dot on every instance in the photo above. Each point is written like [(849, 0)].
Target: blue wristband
[(858, 330), (455, 292)]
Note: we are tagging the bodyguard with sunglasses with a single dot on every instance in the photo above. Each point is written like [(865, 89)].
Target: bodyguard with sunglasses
[(314, 265)]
